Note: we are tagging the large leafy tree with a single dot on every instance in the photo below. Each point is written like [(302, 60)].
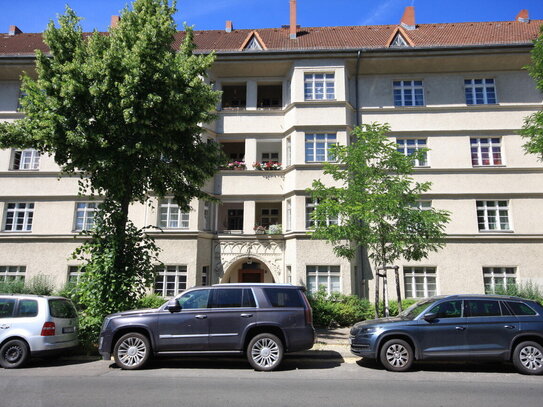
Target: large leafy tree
[(375, 200), (533, 125), (122, 110)]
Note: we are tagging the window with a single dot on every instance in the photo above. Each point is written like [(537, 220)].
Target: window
[(284, 297), (235, 219), (269, 96), (480, 91), (289, 274), (317, 147), (234, 96), (74, 274), (520, 308), (493, 215), (325, 276), (483, 308), (233, 298), (7, 306), (171, 216), (310, 205), (84, 215), (19, 217), (195, 299), (419, 282), (319, 86), (27, 309), (408, 93), (269, 216), (289, 215), (289, 151), (486, 151), (12, 273), (422, 205), (499, 278), (273, 157), (207, 215), (448, 309), (409, 146), (205, 275), (28, 159), (170, 280)]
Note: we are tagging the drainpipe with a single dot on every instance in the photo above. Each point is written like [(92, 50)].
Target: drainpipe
[(357, 102)]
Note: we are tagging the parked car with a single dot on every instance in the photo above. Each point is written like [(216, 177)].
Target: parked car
[(32, 325), (261, 320), (461, 327)]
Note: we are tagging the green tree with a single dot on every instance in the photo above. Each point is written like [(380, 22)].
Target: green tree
[(122, 111), (533, 125), (374, 198)]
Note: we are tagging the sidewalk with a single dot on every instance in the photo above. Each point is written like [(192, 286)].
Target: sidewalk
[(331, 344)]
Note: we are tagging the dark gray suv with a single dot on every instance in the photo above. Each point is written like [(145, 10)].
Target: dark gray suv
[(461, 327), (261, 320)]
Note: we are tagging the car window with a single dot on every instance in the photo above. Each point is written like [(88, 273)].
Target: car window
[(448, 309), (520, 308), (414, 310), (227, 298), (483, 308), (195, 299), (284, 297), (248, 298), (505, 310), (27, 308), (7, 305), (61, 308)]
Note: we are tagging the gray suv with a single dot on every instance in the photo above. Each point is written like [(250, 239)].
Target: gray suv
[(261, 320), (461, 327)]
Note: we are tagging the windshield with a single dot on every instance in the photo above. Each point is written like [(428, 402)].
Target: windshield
[(414, 310)]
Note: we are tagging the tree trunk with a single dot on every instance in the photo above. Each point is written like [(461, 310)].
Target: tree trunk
[(377, 277), (386, 310), (119, 220), (398, 290)]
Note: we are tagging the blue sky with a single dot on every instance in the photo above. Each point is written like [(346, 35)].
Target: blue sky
[(33, 15)]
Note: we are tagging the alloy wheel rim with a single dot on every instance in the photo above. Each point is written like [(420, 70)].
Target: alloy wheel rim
[(13, 354), (132, 351), (397, 355), (531, 358), (265, 352)]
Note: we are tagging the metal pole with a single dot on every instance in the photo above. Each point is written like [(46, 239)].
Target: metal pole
[(398, 291), (385, 294)]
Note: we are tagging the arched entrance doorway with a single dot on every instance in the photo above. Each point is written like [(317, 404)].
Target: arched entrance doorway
[(248, 270)]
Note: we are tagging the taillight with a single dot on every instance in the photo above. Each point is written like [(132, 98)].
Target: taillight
[(308, 311), (48, 329)]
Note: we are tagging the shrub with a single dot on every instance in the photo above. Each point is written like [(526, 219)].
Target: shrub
[(151, 301), (338, 309), (12, 287), (528, 290), (393, 305), (38, 285)]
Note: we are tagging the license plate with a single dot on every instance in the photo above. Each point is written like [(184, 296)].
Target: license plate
[(68, 330)]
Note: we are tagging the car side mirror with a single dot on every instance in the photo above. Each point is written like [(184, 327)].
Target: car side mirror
[(430, 316), (173, 306)]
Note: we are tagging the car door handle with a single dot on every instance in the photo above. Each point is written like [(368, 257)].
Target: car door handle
[(4, 326), (460, 328), (509, 326), (246, 315), (200, 316)]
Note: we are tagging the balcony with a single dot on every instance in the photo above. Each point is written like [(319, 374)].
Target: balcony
[(250, 218)]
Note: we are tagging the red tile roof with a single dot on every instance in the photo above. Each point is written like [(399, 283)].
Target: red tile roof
[(333, 38)]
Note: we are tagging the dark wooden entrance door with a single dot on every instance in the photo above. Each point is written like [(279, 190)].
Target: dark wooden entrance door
[(251, 276)]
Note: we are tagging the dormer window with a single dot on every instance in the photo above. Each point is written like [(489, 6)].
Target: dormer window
[(253, 45), (399, 42)]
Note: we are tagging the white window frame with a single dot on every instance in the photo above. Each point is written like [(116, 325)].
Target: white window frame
[(289, 215), (161, 276), (289, 151), (507, 273), (328, 272), (319, 86), (74, 274), (207, 209), (403, 146), (410, 274), (86, 213), (483, 209), (29, 160), (312, 141), (487, 88), (477, 147), (12, 273), (205, 276), (408, 89), (310, 205), (422, 205), (172, 210), (27, 212)]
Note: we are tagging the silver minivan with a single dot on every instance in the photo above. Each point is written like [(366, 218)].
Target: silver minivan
[(34, 325)]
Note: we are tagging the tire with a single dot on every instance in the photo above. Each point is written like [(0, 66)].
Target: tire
[(132, 351), (14, 354), (528, 358), (265, 352), (396, 355)]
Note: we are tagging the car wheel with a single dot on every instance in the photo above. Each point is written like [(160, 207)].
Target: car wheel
[(14, 354), (132, 351), (396, 355), (265, 352), (528, 358)]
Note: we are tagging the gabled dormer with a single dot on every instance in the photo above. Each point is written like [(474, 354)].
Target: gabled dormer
[(253, 42)]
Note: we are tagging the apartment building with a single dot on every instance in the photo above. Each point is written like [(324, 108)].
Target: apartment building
[(289, 93)]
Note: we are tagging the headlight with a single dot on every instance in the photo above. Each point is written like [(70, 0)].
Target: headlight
[(368, 330)]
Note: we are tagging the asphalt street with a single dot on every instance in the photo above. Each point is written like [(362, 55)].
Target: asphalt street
[(302, 381)]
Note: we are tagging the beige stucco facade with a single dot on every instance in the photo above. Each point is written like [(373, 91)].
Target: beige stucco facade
[(221, 247)]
